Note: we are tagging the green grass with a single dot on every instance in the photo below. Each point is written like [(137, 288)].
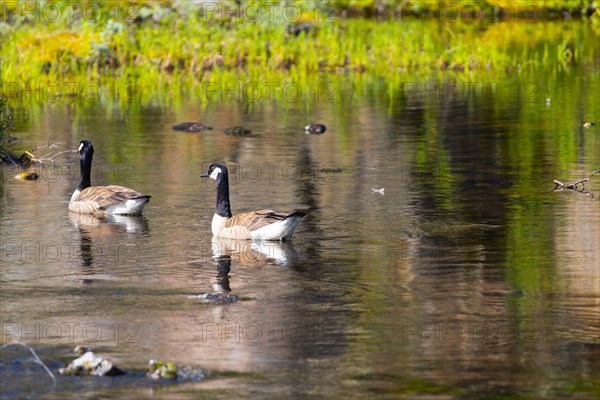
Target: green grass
[(173, 44)]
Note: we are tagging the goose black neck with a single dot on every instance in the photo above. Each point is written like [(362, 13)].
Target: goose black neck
[(223, 207), (85, 163)]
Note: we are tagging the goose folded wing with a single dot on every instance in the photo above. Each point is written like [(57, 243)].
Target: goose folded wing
[(255, 219), (106, 196)]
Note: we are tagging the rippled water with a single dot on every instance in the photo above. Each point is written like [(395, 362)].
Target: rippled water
[(469, 277)]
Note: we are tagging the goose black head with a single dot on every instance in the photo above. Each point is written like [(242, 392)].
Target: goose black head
[(215, 171), (85, 147)]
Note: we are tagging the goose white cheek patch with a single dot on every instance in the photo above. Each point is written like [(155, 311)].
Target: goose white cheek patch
[(80, 147), (215, 173)]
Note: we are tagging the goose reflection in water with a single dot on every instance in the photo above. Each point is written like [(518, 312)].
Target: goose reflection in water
[(245, 253), (220, 284), (111, 225), (255, 253), (101, 238)]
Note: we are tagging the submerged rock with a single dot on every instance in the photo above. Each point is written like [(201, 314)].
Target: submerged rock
[(191, 127), (162, 370), (238, 131), (219, 297), (90, 364), (315, 129)]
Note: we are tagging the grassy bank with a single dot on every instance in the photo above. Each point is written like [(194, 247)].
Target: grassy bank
[(159, 43)]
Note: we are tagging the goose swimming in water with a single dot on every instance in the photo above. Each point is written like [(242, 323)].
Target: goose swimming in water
[(258, 225), (103, 200)]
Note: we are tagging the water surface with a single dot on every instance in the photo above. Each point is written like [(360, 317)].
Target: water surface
[(468, 278)]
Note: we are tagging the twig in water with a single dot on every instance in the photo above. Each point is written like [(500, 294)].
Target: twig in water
[(49, 146), (46, 158), (38, 360), (573, 185)]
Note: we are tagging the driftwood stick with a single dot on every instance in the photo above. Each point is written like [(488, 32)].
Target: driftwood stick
[(559, 186), (573, 185)]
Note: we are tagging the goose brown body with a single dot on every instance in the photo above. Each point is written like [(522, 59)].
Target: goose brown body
[(101, 200), (255, 219)]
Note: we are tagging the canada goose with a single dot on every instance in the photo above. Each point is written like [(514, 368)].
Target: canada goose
[(191, 127), (315, 129), (588, 124), (259, 225), (103, 200)]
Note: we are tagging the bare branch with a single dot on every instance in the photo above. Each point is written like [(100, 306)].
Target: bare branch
[(46, 158), (573, 185)]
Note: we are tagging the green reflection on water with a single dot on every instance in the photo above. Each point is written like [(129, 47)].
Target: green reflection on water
[(479, 159)]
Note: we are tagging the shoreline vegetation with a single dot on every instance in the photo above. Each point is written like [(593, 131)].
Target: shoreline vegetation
[(185, 37), (157, 47)]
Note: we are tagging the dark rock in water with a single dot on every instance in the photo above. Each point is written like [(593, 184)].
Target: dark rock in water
[(27, 176), (331, 170), (315, 129), (296, 30), (219, 297), (238, 131), (191, 127)]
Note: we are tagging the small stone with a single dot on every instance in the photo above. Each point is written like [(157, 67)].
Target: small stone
[(238, 131), (191, 127), (315, 129)]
